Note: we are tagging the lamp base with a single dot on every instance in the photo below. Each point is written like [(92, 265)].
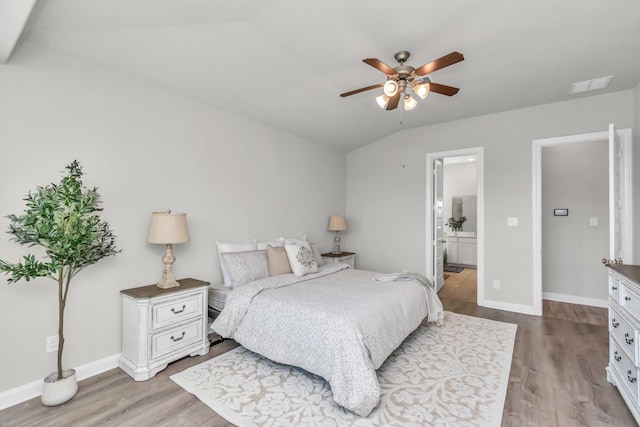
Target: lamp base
[(167, 284), (336, 248), (168, 280)]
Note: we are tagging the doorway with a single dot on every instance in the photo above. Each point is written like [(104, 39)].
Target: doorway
[(620, 153), (439, 211)]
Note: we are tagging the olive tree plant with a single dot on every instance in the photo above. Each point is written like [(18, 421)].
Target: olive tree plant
[(63, 219)]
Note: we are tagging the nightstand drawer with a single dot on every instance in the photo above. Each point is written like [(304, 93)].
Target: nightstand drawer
[(175, 338), (175, 310)]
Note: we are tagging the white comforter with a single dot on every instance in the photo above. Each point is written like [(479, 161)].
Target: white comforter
[(337, 323)]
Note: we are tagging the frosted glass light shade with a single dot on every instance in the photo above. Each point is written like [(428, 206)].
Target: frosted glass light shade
[(390, 88), (422, 90), (382, 101), (409, 103), (337, 223), (167, 227)]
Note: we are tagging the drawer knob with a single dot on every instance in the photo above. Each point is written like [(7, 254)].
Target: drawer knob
[(627, 339), (630, 378), (174, 311), (616, 357), (614, 288), (627, 298), (614, 323), (182, 336)]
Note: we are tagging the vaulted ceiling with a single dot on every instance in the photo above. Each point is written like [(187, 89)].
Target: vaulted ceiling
[(285, 62)]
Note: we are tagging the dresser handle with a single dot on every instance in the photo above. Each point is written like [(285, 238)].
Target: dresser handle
[(173, 310), (615, 356), (627, 298), (614, 288), (614, 323), (627, 339), (630, 378), (183, 332)]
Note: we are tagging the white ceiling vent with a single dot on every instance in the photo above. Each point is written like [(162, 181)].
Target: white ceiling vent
[(593, 84)]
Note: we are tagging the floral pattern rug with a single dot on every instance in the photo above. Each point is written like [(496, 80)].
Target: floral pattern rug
[(454, 375)]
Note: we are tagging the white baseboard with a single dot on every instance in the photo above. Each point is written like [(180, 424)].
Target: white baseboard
[(507, 306), (34, 389), (572, 299)]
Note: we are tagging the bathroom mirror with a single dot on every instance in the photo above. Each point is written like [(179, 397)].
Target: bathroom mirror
[(466, 206)]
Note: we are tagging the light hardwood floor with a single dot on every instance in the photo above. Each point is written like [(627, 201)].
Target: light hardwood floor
[(557, 379)]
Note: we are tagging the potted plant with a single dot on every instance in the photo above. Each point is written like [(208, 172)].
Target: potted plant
[(456, 223), (63, 219)]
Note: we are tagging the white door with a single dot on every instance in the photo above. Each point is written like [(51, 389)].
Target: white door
[(620, 231), (438, 225)]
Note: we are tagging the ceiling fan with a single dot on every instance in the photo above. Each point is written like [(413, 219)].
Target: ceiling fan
[(405, 76)]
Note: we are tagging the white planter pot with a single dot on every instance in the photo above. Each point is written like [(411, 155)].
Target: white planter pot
[(55, 391)]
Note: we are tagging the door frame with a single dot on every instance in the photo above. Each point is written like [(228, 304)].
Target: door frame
[(627, 195), (478, 152)]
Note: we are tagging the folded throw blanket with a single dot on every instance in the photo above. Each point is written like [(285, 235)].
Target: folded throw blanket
[(434, 305)]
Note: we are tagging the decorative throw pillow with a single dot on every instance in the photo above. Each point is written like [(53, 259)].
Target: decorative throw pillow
[(232, 247), (274, 243), (245, 267), (301, 258), (316, 254), (278, 261)]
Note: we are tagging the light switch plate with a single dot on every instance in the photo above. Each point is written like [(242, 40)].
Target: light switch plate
[(512, 221), (593, 221)]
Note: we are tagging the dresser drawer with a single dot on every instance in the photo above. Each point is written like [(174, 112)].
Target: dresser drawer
[(175, 338), (622, 330), (626, 371), (630, 299), (169, 312), (614, 288)]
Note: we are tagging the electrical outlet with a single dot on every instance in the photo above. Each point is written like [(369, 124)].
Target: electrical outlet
[(52, 344), (405, 271), (496, 284)]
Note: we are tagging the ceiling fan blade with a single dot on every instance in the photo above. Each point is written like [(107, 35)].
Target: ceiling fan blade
[(376, 63), (393, 101), (443, 89), (439, 63), (362, 89)]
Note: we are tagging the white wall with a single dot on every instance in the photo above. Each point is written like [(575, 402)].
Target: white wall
[(386, 185), (146, 150), (575, 176)]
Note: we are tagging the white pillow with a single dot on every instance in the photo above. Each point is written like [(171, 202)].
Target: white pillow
[(275, 243), (301, 258), (302, 237), (316, 254), (245, 267), (232, 247)]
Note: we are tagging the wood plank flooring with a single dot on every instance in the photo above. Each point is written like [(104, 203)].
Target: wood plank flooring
[(557, 379)]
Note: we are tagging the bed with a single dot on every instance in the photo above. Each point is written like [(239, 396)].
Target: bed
[(336, 322)]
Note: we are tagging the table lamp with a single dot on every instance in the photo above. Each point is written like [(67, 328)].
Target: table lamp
[(168, 228), (337, 223)]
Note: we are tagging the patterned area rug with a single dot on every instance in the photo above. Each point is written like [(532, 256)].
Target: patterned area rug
[(455, 375)]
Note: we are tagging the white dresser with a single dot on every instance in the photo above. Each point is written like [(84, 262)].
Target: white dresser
[(162, 325), (624, 333)]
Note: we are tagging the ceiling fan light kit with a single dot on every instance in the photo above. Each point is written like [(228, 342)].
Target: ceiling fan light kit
[(405, 76)]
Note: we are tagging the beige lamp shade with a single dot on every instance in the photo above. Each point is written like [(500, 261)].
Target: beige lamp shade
[(168, 228), (337, 223)]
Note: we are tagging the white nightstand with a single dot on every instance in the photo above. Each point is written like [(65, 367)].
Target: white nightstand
[(344, 257), (162, 325)]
